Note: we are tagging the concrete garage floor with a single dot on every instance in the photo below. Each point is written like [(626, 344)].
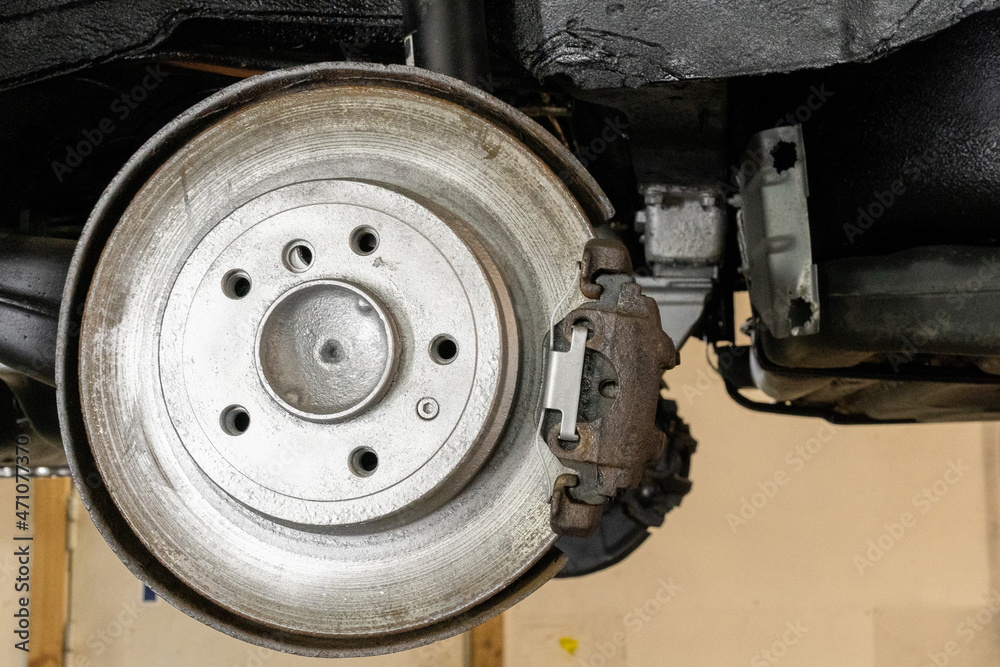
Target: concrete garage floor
[(801, 544)]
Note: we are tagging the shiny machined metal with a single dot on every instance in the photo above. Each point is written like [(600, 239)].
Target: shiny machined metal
[(562, 388), (333, 356), (326, 350), (312, 355)]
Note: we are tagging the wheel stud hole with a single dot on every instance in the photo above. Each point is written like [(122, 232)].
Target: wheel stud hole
[(363, 461), (235, 420), (364, 240), (236, 284), (298, 256), (444, 349)]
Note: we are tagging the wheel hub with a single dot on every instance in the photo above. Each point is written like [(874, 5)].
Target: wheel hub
[(333, 361), (327, 350)]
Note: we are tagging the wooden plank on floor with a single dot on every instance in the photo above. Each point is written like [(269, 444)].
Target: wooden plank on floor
[(991, 482), (486, 644), (50, 573)]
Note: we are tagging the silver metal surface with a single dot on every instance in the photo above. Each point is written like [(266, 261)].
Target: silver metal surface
[(562, 386), (680, 293), (275, 524), (774, 234), (303, 349), (683, 231), (326, 350), (427, 408), (681, 226)]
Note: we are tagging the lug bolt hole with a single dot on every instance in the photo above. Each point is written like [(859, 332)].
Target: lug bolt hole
[(444, 349), (364, 240), (236, 284), (297, 256), (235, 420), (363, 461)]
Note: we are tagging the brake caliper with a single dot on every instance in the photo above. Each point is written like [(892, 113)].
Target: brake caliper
[(610, 355)]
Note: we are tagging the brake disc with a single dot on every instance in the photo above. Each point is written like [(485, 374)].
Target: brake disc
[(311, 354)]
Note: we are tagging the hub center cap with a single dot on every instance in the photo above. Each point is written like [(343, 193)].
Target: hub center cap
[(327, 350)]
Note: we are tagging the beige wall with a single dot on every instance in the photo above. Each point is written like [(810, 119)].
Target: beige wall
[(704, 590), (738, 587)]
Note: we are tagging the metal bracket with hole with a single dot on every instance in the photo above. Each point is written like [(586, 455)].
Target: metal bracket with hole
[(608, 380), (774, 233)]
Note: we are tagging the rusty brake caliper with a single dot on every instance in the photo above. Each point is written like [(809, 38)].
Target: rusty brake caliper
[(604, 377)]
